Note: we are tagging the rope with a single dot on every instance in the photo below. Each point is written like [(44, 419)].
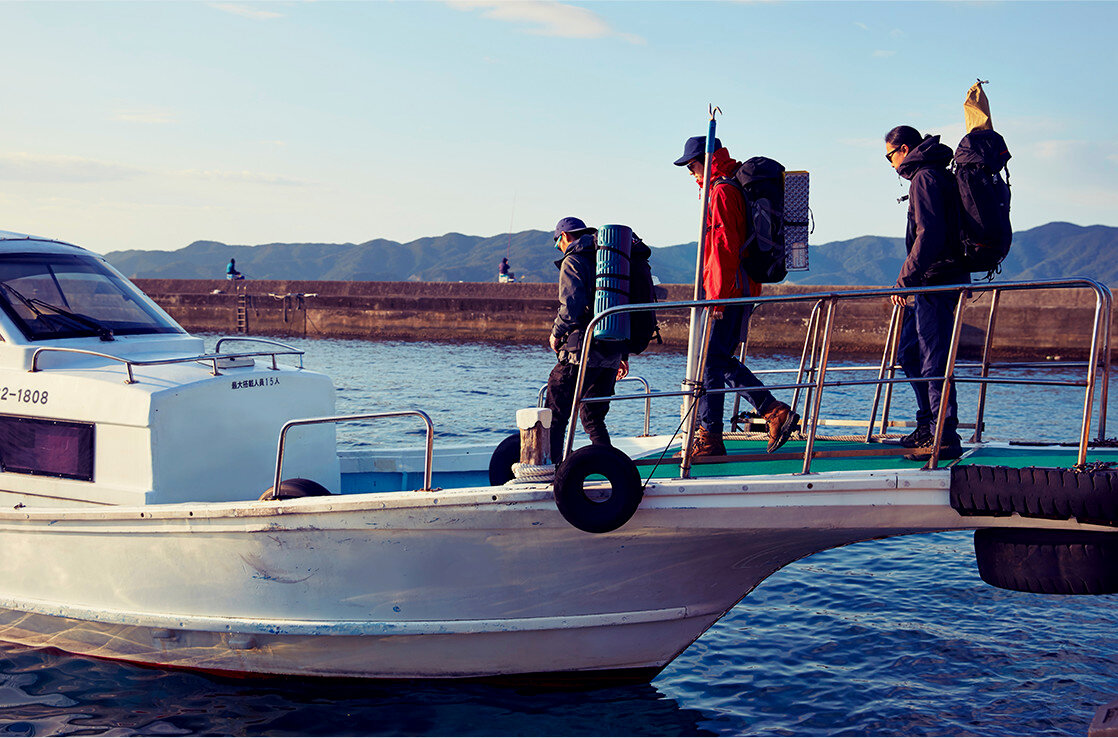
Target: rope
[(532, 473)]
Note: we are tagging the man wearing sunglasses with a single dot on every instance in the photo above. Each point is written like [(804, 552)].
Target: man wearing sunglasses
[(605, 364), (934, 257), (724, 277)]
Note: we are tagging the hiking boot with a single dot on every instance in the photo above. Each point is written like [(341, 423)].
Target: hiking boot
[(707, 443), (919, 438), (952, 448), (780, 421)]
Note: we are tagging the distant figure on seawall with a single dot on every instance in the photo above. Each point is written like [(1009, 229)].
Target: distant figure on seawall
[(231, 270), (504, 273)]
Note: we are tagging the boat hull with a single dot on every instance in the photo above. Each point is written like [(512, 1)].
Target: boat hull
[(465, 583)]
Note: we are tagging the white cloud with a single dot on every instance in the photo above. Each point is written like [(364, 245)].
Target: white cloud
[(245, 11), (243, 177), (145, 116), (48, 168), (546, 18), (29, 168), (882, 53)]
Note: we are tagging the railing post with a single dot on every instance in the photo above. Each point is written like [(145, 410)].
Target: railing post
[(995, 297), (888, 355), (697, 389), (948, 378), (824, 353), (810, 338), (1092, 368)]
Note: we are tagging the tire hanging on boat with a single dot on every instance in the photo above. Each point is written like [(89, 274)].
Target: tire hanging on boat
[(1066, 562), (595, 514), (295, 487), (1036, 492), (504, 456)]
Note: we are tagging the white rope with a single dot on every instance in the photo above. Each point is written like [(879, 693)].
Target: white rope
[(531, 473)]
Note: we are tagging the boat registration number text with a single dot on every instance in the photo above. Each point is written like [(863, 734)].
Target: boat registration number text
[(27, 396)]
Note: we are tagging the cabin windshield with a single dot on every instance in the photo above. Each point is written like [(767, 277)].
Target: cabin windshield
[(52, 296)]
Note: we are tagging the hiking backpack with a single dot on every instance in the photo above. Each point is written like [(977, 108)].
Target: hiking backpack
[(764, 253), (642, 325), (984, 226)]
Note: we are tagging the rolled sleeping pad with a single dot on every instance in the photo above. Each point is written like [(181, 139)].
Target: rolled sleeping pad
[(612, 281)]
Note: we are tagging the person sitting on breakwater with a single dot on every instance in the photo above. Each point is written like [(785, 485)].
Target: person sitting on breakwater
[(605, 364), (231, 270), (504, 273), (724, 277), (934, 258)]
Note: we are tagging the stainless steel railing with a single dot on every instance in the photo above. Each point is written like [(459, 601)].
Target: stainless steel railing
[(541, 400), (428, 454), (812, 373), (215, 358)]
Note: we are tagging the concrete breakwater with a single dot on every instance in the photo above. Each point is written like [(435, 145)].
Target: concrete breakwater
[(1035, 325)]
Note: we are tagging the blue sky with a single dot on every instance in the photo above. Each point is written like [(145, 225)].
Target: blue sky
[(153, 124)]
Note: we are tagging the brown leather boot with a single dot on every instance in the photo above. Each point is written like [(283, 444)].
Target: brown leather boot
[(707, 443), (781, 421)]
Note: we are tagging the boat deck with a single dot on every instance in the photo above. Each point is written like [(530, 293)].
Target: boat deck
[(747, 456)]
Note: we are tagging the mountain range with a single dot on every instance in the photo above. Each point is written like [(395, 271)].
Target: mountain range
[(1050, 251)]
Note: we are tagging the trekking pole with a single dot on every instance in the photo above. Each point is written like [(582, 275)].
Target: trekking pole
[(694, 334)]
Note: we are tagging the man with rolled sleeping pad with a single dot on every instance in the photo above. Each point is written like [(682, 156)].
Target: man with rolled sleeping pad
[(606, 363), (726, 249)]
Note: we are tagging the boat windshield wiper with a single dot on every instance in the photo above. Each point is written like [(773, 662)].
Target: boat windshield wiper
[(103, 332)]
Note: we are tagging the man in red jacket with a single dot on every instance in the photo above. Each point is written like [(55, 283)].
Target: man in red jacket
[(724, 277)]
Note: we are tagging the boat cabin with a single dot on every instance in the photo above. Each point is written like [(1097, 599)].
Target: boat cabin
[(106, 400)]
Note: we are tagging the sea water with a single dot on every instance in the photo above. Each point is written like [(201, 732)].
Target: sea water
[(893, 637)]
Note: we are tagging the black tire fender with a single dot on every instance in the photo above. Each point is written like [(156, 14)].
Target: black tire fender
[(594, 514), (296, 487), (1048, 561), (504, 456), (1036, 492)]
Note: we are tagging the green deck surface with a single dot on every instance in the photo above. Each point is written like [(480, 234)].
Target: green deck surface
[(1055, 456)]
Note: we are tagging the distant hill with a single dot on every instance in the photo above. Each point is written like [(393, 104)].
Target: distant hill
[(1047, 252)]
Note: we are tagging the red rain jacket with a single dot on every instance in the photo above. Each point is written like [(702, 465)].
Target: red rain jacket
[(723, 275)]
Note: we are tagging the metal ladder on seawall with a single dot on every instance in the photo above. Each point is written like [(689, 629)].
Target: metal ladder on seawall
[(242, 310)]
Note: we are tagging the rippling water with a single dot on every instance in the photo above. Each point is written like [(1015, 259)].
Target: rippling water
[(894, 637)]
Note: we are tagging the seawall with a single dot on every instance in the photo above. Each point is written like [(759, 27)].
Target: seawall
[(1029, 325)]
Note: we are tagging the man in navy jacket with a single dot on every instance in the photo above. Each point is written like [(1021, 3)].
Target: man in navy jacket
[(605, 364), (934, 257)]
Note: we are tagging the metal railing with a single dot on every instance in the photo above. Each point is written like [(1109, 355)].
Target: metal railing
[(811, 376), (541, 401), (214, 358), (428, 454)]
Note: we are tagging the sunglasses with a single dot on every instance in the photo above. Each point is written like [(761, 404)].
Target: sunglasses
[(889, 155), (695, 166)]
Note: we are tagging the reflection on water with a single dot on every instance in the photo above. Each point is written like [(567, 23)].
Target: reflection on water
[(43, 692), (894, 637)]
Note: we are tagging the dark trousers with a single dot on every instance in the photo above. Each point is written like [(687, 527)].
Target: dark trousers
[(599, 382), (924, 343), (722, 368)]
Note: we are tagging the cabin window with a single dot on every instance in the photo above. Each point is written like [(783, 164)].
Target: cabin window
[(49, 448), (52, 296)]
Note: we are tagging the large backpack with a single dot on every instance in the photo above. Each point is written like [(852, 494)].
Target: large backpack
[(764, 254), (642, 324), (985, 230)]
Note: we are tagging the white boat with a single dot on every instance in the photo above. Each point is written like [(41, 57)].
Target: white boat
[(132, 463)]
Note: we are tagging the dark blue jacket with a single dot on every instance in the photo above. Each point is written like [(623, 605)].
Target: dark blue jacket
[(932, 238), (576, 302)]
